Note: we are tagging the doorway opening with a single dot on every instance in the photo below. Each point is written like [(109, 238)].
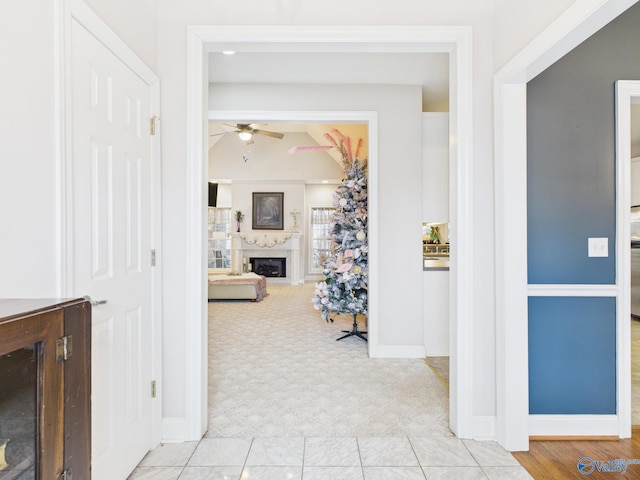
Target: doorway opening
[(627, 101), (635, 262), (307, 180), (456, 42)]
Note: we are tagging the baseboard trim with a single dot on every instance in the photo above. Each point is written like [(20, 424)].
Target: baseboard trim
[(573, 426), (572, 438), (174, 430), (483, 427)]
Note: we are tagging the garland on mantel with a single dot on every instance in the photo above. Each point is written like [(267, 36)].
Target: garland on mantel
[(266, 242)]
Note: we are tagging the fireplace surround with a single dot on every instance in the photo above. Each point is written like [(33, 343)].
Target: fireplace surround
[(256, 244), (271, 267)]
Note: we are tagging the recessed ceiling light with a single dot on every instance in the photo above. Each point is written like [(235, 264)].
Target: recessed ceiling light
[(325, 181), (228, 52)]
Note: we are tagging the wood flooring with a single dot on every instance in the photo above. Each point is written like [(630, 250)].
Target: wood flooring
[(558, 459)]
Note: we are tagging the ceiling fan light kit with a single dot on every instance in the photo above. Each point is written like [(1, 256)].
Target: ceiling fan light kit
[(245, 135), (246, 131)]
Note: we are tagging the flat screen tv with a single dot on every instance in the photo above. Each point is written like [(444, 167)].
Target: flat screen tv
[(213, 194)]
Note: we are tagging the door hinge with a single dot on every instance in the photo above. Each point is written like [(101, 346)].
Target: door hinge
[(153, 389), (64, 348), (152, 125), (153, 257), (66, 475)]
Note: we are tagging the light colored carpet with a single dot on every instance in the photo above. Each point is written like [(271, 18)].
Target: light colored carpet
[(276, 370)]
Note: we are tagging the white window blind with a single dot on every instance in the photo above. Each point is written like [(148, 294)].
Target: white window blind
[(321, 220), (219, 242)]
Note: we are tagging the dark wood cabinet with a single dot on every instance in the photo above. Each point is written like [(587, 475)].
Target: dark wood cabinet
[(45, 389)]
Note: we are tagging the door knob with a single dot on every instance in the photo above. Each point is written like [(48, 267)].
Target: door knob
[(94, 302)]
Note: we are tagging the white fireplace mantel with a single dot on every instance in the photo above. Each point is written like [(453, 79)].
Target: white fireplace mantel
[(260, 244)]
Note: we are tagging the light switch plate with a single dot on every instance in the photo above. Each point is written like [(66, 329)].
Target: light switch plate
[(599, 247)]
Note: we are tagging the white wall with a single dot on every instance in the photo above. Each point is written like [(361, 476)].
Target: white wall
[(435, 174), (400, 171), (518, 23), (293, 195), (225, 199), (242, 198), (27, 132), (396, 195), (27, 152), (435, 208), (269, 158), (267, 165), (436, 312), (134, 21)]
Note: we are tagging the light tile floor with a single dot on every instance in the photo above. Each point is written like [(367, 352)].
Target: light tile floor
[(305, 407), (330, 458)]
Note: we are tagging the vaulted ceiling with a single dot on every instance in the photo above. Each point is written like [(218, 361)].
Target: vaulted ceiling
[(429, 70)]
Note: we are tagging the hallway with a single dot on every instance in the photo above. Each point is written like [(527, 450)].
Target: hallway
[(288, 401)]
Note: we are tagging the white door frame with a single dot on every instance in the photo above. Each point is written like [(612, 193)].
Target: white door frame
[(579, 22), (627, 92), (76, 10), (457, 41), (340, 117)]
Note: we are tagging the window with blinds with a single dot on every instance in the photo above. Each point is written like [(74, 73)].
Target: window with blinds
[(218, 240), (320, 247)]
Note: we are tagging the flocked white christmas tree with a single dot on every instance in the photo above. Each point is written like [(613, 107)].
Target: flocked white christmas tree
[(345, 287)]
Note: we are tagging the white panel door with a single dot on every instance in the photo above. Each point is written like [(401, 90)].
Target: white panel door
[(112, 234)]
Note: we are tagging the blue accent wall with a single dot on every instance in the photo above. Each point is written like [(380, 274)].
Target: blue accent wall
[(571, 155), (572, 355), (571, 197)]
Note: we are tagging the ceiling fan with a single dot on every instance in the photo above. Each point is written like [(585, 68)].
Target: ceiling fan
[(246, 131)]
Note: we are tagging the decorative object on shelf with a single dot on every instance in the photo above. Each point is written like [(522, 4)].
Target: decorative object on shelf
[(295, 213), (268, 211), (266, 240), (345, 288), (239, 217), (434, 234)]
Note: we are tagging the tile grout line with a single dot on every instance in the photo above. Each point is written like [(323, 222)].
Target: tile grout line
[(246, 459), (184, 467), (475, 459), (416, 455), (360, 456), (304, 453)]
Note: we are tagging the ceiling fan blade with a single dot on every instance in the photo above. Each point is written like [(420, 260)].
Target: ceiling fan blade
[(269, 134)]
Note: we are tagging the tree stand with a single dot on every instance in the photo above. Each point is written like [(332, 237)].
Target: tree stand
[(353, 332)]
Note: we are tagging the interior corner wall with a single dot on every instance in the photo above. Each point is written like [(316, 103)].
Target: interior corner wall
[(135, 22), (571, 197), (400, 189)]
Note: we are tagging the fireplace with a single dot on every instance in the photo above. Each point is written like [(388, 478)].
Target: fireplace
[(272, 267), (282, 248)]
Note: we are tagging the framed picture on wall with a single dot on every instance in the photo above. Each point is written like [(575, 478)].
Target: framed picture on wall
[(268, 211)]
